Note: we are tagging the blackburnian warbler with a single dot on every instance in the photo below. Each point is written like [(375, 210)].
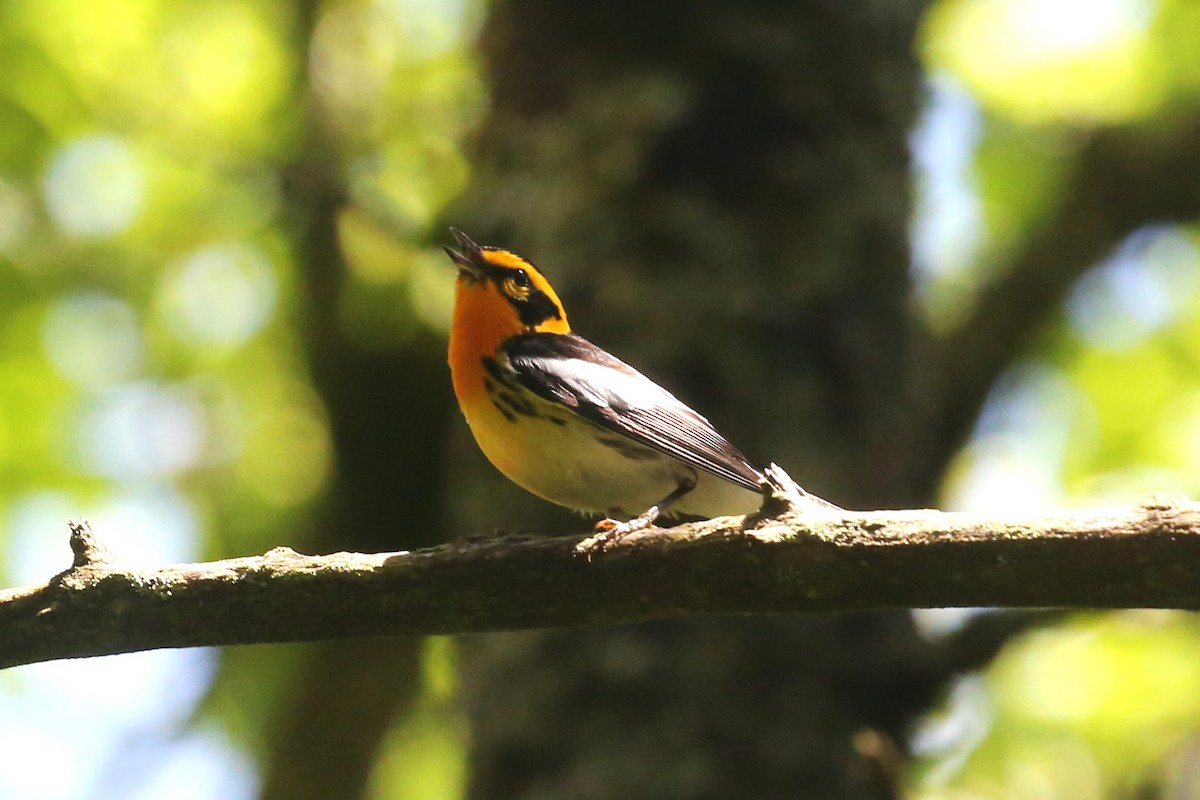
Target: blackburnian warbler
[(569, 422)]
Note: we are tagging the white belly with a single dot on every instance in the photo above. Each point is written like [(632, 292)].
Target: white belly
[(580, 465)]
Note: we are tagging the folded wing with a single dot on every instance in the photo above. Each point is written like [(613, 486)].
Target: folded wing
[(601, 388)]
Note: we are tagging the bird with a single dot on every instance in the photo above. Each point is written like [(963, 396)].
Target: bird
[(572, 423)]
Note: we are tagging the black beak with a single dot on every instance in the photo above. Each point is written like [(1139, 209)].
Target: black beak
[(468, 257)]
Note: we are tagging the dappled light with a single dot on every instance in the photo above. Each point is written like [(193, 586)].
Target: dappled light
[(112, 745), (358, 47), (204, 79), (220, 294), (1014, 460), (213, 215), (287, 454), (93, 339), (1147, 284), (142, 430), (948, 222), (1045, 60), (94, 187), (1090, 709), (150, 368), (1101, 706)]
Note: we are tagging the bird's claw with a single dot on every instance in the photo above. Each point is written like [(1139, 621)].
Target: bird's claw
[(607, 532)]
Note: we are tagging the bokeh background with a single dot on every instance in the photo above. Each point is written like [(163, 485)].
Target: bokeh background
[(935, 253)]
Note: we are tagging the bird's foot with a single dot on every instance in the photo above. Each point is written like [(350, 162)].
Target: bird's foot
[(609, 531)]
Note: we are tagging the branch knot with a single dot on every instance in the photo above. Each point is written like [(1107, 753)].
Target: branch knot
[(782, 494), (87, 548)]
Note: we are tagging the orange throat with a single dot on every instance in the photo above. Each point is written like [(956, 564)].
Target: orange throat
[(483, 320)]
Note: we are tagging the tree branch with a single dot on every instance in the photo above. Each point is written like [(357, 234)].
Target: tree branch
[(1148, 556)]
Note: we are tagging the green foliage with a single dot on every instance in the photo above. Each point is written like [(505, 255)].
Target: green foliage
[(1104, 411), (423, 755), (1101, 706), (152, 361)]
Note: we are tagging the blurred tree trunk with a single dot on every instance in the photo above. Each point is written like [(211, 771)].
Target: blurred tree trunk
[(388, 422), (722, 192)]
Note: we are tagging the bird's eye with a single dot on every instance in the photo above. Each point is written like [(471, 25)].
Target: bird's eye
[(516, 284)]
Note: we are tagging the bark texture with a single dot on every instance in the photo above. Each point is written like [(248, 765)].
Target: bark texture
[(793, 562)]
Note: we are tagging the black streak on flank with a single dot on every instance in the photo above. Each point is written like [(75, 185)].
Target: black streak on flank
[(505, 393), (628, 448), (508, 415), (519, 405), (497, 373)]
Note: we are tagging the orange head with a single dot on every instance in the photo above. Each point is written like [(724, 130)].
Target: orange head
[(498, 295)]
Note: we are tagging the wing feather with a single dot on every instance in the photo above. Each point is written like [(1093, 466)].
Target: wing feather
[(601, 388)]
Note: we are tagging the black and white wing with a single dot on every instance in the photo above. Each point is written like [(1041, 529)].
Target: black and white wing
[(601, 388)]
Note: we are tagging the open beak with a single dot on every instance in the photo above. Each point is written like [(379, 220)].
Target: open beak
[(467, 257)]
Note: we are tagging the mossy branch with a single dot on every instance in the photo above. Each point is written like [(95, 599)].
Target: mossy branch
[(790, 561)]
